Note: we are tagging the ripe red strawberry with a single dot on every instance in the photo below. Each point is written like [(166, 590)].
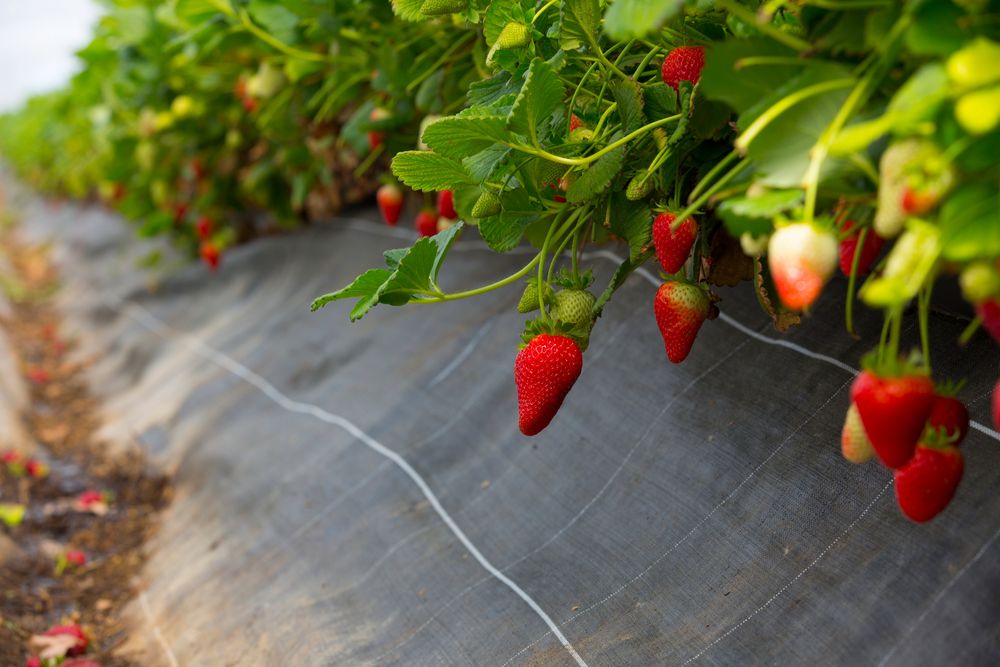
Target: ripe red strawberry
[(375, 137), (89, 497), (680, 309), (575, 123), (210, 255), (894, 411), (76, 558), (446, 205), (801, 258), (869, 251), (33, 661), (390, 203), (917, 202), (250, 104), (673, 246), (180, 212), (683, 63), (36, 469), (80, 662), (950, 417), (427, 223), (854, 442), (989, 313), (11, 456), (926, 485), (204, 227), (544, 372), (73, 630)]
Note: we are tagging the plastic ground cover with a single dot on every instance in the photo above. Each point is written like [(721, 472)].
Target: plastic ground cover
[(360, 495)]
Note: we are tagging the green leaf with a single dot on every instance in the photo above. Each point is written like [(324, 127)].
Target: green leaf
[(430, 172), (970, 223), (503, 232), (540, 97), (412, 271), (661, 100), (598, 177), (408, 10), (632, 221), (937, 29), (579, 22), (461, 136), (194, 11), (781, 152), (484, 164), (628, 19), (274, 18), (491, 90), (628, 95), (755, 214), (729, 77)]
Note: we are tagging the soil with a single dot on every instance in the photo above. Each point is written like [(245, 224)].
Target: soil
[(63, 418)]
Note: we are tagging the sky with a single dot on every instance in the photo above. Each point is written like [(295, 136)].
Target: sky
[(37, 42)]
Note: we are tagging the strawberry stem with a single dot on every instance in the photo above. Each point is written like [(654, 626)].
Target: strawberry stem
[(705, 196), (852, 281), (923, 314)]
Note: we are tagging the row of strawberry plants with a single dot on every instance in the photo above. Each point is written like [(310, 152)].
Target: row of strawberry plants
[(725, 141)]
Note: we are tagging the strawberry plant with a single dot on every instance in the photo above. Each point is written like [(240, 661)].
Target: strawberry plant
[(761, 141)]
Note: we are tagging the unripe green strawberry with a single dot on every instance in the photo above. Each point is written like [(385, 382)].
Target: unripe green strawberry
[(513, 36), (581, 134), (978, 112), (975, 65), (754, 246), (574, 306), (487, 205), (979, 281), (529, 298), (889, 217), (854, 442), (443, 7), (639, 187)]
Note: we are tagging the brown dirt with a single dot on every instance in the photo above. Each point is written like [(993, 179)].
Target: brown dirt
[(63, 418)]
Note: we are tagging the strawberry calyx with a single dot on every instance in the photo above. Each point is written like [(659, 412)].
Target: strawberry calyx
[(567, 280), (894, 367), (540, 326)]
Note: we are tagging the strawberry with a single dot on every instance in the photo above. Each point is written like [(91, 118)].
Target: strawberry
[(513, 36), (573, 306), (529, 298), (574, 122), (801, 258), (980, 281), (683, 63), (390, 203), (950, 418), (854, 442), (869, 251), (375, 137), (11, 457), (673, 245), (73, 630), (989, 312), (638, 188), (893, 411), (443, 7), (203, 227), (80, 663), (210, 255), (89, 497), (917, 202), (36, 469), (446, 205), (76, 558), (34, 661), (926, 484), (680, 309), (427, 223), (487, 205), (544, 372)]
